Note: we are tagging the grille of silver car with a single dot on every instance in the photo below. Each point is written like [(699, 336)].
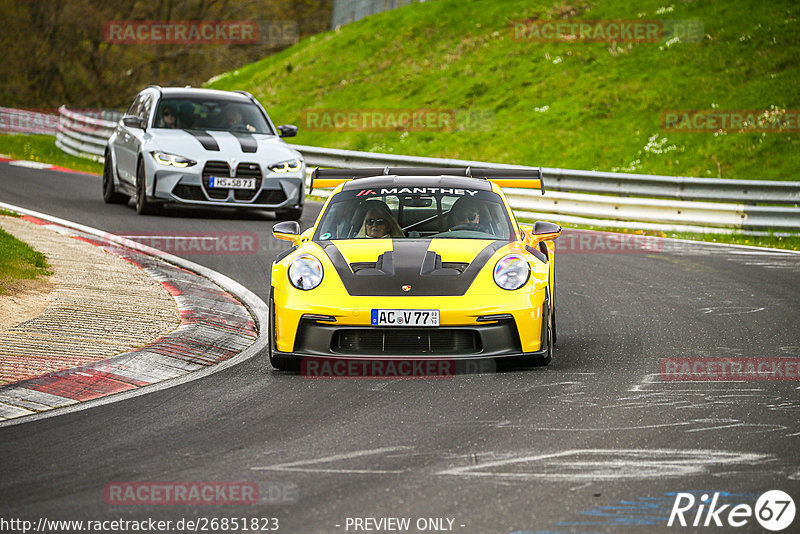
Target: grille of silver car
[(248, 170), (215, 168)]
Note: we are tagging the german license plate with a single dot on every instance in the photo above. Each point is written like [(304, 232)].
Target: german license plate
[(405, 317), (232, 183)]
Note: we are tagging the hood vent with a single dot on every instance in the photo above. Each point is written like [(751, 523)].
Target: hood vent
[(432, 265)]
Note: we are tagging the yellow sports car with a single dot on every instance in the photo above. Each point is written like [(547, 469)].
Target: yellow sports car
[(415, 263)]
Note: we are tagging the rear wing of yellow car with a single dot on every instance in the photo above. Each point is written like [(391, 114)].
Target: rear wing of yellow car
[(528, 178)]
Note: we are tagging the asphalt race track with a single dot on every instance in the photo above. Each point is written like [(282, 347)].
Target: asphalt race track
[(596, 442)]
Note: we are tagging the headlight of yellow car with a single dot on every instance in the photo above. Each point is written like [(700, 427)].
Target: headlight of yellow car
[(511, 272), (305, 272)]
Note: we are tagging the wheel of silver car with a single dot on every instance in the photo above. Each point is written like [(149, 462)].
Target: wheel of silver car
[(143, 206), (110, 196)]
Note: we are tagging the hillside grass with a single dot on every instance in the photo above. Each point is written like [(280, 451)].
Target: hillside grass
[(570, 105), (43, 149)]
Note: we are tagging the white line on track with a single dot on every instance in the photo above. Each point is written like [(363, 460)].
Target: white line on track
[(295, 466)]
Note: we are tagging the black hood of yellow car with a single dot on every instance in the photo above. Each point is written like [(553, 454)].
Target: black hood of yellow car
[(410, 265)]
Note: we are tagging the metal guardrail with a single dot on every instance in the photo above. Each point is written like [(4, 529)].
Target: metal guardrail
[(27, 121), (83, 136), (611, 183), (596, 198), (674, 202)]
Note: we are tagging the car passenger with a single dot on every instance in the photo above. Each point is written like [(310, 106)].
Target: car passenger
[(234, 120), (168, 118), (466, 215), (378, 222)]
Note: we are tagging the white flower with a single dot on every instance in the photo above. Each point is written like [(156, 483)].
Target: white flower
[(665, 9), (656, 146), (632, 166)]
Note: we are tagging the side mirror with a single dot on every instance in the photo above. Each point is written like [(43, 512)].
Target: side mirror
[(287, 130), (287, 231), (133, 121), (545, 231)]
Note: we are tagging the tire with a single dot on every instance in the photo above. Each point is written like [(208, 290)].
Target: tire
[(548, 325), (143, 206), (110, 195), (271, 327), (289, 214), (553, 306), (279, 364)]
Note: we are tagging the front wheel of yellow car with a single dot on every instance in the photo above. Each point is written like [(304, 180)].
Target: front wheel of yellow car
[(553, 306), (278, 363), (547, 335)]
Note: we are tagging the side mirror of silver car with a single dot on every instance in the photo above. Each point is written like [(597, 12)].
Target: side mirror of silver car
[(287, 130), (133, 121)]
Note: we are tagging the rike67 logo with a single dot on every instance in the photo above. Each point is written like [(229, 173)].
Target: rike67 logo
[(774, 510)]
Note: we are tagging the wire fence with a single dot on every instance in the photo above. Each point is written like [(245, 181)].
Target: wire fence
[(347, 11)]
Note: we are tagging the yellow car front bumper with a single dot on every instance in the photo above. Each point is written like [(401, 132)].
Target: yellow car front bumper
[(471, 326)]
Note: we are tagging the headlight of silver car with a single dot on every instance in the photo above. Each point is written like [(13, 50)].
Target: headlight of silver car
[(305, 272), (164, 158), (511, 272), (292, 165)]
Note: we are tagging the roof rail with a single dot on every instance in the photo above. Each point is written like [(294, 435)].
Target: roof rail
[(529, 178)]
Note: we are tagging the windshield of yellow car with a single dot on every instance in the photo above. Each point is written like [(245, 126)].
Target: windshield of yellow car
[(433, 213)]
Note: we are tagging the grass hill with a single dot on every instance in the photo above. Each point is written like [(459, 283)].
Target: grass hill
[(582, 105)]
